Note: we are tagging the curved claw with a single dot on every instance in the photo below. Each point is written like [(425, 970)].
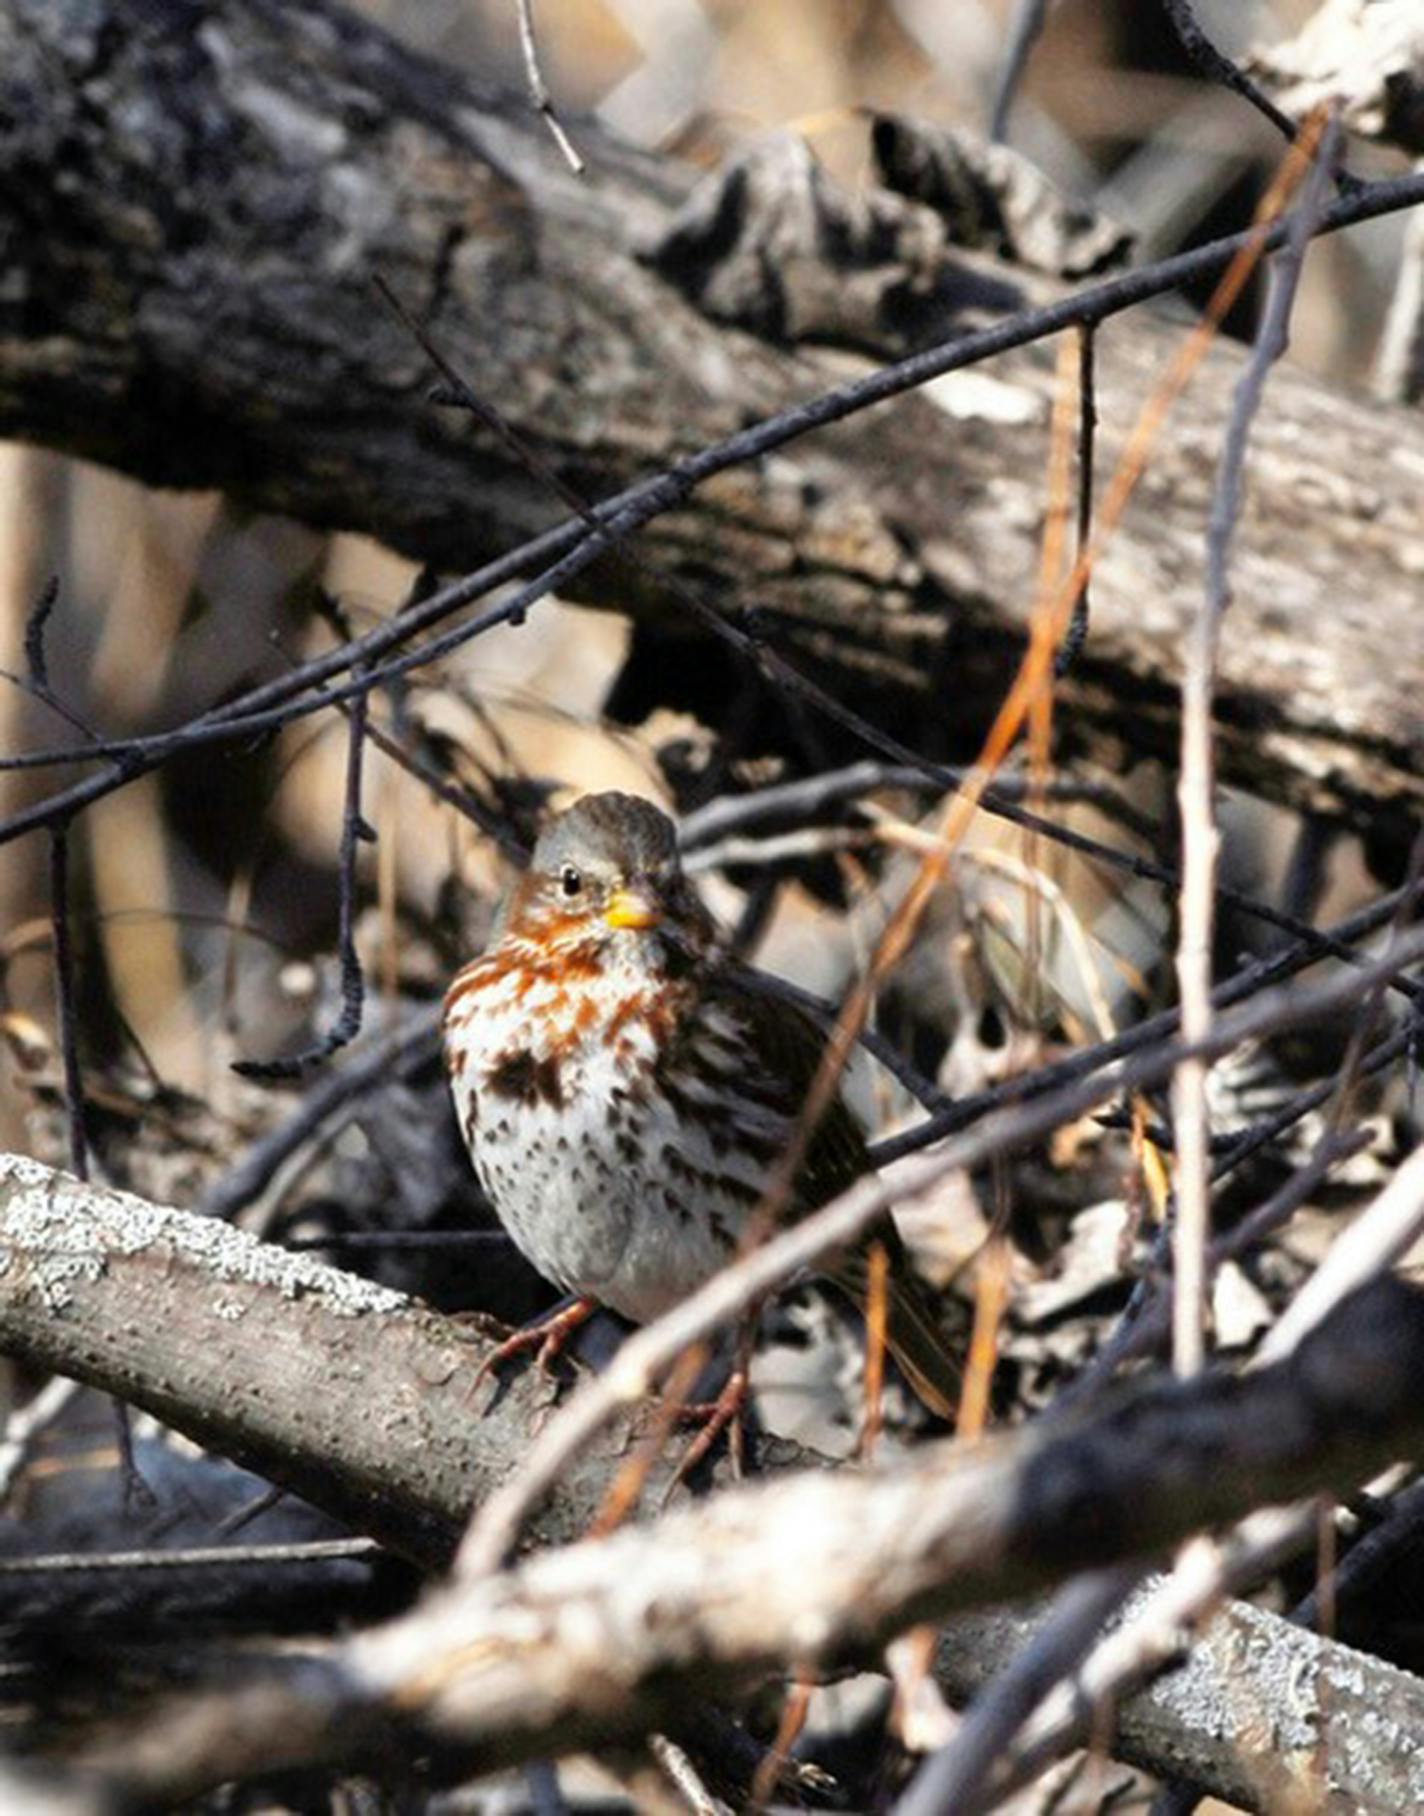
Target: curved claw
[(714, 1416), (547, 1336)]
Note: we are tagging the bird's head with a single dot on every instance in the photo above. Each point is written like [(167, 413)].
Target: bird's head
[(605, 874)]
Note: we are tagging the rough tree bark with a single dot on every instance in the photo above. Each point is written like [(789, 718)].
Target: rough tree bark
[(343, 1391), (361, 1400), (194, 198)]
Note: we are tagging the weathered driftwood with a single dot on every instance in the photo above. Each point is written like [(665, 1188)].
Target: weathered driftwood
[(361, 1401), (192, 213)]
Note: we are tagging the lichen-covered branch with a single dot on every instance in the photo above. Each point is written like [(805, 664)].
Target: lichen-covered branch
[(347, 1393), (362, 1402), (601, 1640)]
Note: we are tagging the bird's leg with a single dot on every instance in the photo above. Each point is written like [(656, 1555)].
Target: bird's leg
[(716, 1416), (547, 1336)]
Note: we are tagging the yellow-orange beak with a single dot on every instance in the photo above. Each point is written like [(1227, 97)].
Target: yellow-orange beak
[(629, 910)]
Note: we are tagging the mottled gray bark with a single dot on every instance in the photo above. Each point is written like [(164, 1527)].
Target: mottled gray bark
[(194, 198), (344, 1392), (363, 1402)]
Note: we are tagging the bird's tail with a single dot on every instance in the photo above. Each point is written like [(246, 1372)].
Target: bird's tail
[(913, 1334)]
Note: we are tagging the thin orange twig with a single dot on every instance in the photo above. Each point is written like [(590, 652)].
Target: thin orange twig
[(877, 1306)]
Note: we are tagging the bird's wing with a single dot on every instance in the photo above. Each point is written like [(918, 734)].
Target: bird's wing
[(790, 1045)]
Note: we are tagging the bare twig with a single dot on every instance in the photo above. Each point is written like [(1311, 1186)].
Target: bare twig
[(355, 830), (1200, 840), (954, 1778), (65, 1017), (1373, 1242), (1077, 633), (35, 681), (538, 93), (1216, 66), (190, 1557), (26, 1422)]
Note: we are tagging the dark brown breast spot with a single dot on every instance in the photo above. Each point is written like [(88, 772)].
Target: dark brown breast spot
[(525, 1079)]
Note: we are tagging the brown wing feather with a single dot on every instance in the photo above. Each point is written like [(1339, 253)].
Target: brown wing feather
[(790, 1046), (836, 1157)]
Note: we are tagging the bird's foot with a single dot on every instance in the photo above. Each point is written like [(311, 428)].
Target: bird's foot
[(546, 1336), (715, 1416)]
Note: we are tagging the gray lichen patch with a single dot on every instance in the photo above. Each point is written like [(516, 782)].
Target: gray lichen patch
[(1215, 1698), (66, 1231)]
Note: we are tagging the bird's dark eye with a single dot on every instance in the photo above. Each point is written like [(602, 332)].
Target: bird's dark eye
[(570, 880)]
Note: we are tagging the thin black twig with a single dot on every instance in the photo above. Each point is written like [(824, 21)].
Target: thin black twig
[(416, 1043), (194, 1557), (381, 1241), (139, 1498), (803, 799), (66, 1020), (35, 625), (780, 989), (1077, 633), (355, 831), (1270, 343), (464, 801), (955, 1778), (65, 1016), (1217, 67), (35, 681)]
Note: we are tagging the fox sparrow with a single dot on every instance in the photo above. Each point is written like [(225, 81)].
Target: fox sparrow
[(625, 1093)]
